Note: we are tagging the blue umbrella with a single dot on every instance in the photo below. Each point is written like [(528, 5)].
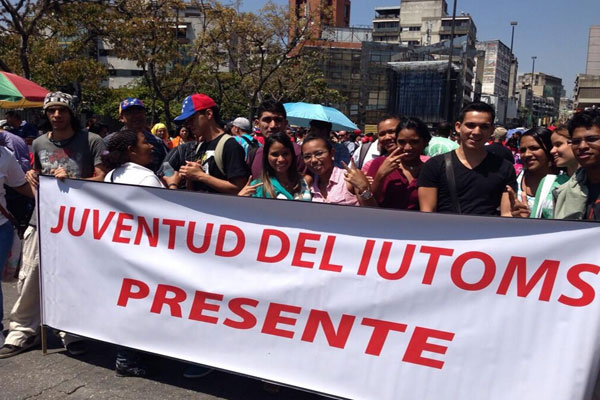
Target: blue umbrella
[(302, 113), (511, 132)]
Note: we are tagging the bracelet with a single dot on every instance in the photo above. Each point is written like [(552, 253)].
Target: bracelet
[(172, 184)]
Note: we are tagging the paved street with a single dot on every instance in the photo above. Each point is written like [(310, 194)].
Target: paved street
[(57, 375)]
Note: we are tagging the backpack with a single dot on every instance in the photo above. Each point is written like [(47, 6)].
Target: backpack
[(253, 145), (218, 157)]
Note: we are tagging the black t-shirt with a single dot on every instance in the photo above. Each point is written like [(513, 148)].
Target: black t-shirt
[(499, 150), (592, 211), (479, 190), (234, 160)]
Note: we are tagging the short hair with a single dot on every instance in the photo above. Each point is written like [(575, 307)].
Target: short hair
[(311, 137), (315, 123), (444, 129), (479, 107), (275, 107), (415, 124), (500, 133), (389, 116), (586, 119), (117, 152), (13, 113)]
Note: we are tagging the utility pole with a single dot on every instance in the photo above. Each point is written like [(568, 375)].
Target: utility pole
[(449, 74), (533, 58), (512, 60)]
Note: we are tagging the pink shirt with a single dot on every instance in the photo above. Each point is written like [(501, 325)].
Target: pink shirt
[(337, 191)]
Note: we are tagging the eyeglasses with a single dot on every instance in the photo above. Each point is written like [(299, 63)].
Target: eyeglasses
[(319, 155), (588, 139)]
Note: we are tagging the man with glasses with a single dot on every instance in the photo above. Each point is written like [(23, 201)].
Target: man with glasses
[(468, 180), (579, 197)]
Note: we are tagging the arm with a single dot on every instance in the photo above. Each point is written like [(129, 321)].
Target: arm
[(193, 171), (99, 174), (173, 181), (25, 189), (428, 199)]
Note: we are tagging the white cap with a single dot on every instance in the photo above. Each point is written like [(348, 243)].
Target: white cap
[(242, 123)]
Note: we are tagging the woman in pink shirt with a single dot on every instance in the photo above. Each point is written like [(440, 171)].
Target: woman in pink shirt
[(329, 184)]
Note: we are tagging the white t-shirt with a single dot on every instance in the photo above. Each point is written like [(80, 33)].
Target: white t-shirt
[(133, 174), (11, 175), (372, 153)]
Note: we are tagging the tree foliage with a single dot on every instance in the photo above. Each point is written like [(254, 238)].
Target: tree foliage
[(238, 58)]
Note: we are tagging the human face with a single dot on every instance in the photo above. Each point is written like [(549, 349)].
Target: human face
[(142, 152), (533, 156), (561, 151), (317, 158), (475, 130), (184, 133), (410, 144), (13, 121), (134, 118), (386, 133), (343, 136), (161, 133), (198, 123), (270, 122), (586, 146), (59, 116), (280, 158)]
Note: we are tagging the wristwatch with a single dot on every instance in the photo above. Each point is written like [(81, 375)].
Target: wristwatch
[(366, 195)]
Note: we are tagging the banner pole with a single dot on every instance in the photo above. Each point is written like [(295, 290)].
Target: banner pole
[(44, 340)]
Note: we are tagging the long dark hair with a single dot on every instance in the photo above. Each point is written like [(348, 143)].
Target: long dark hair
[(117, 152), (268, 172), (543, 137)]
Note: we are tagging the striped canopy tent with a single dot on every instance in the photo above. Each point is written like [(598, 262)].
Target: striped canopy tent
[(18, 92)]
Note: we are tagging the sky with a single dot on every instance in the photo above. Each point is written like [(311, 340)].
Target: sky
[(555, 31)]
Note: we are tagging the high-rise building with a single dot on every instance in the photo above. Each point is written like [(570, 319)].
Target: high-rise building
[(542, 94), (593, 55), (322, 14), (587, 91)]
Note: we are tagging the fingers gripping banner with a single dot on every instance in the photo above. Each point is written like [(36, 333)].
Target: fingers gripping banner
[(356, 303)]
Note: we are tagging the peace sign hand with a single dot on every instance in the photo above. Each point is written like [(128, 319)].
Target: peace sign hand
[(518, 209)]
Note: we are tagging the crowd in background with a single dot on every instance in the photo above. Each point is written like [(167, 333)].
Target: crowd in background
[(469, 167)]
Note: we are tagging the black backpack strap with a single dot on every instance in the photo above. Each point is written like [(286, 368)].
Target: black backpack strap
[(364, 149), (451, 181)]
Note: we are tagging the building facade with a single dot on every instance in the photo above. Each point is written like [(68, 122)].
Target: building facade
[(593, 54), (322, 13), (587, 91)]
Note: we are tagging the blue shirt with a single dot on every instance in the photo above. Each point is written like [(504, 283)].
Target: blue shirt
[(25, 130), (18, 147)]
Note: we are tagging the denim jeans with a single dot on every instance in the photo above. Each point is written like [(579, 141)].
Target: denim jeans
[(6, 239)]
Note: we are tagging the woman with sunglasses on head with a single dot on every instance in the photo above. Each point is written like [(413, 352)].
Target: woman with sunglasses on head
[(330, 184), (280, 178)]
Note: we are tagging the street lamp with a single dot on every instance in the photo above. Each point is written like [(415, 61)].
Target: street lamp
[(447, 106), (512, 60), (533, 58)]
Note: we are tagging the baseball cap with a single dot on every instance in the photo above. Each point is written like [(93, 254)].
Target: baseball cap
[(194, 103), (130, 102), (242, 123), (59, 99)]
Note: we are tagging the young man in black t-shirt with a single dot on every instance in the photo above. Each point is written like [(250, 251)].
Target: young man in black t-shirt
[(214, 163), (480, 178)]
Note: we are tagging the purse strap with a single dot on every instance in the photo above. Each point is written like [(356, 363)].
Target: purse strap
[(451, 181)]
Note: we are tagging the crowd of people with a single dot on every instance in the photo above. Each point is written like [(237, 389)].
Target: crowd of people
[(471, 167)]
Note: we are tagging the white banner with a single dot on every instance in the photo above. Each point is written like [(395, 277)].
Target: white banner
[(357, 303)]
